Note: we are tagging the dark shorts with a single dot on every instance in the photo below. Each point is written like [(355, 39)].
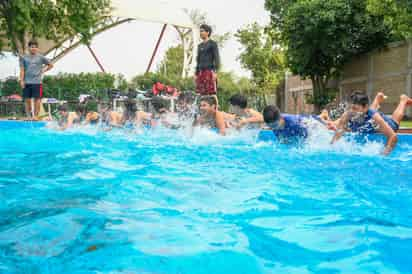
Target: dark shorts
[(205, 84), (394, 125), (33, 91)]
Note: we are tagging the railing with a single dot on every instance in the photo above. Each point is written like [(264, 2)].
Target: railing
[(12, 109)]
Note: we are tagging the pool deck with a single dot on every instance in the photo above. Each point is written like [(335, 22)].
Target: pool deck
[(405, 131)]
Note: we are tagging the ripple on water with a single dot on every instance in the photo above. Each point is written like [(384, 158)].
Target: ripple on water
[(86, 201)]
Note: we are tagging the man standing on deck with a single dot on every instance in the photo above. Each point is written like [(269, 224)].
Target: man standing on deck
[(207, 63), (32, 68)]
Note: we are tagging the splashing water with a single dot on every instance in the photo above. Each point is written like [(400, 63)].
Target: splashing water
[(337, 112), (164, 201), (319, 140)]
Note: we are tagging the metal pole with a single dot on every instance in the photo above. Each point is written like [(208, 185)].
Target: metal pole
[(49, 110), (95, 58), (156, 48)]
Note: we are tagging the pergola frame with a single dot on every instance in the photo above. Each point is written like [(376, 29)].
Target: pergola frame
[(125, 11)]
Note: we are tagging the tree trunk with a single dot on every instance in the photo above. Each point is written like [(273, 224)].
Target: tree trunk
[(187, 45), (319, 84), (184, 67)]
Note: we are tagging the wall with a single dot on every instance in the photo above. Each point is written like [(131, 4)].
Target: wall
[(389, 69)]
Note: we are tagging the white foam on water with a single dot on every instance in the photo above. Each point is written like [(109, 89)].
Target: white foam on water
[(205, 136), (319, 140)]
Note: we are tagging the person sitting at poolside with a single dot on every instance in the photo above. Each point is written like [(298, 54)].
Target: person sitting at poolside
[(210, 117), (366, 119), (242, 115), (285, 126)]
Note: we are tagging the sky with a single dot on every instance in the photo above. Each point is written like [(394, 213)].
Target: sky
[(127, 48)]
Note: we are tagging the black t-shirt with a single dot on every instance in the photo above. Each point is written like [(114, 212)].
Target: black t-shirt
[(207, 56)]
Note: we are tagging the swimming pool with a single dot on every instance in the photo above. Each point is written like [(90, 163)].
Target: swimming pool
[(87, 201)]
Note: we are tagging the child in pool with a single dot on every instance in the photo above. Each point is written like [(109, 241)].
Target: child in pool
[(129, 115), (160, 115), (285, 126), (210, 117), (242, 115), (366, 119)]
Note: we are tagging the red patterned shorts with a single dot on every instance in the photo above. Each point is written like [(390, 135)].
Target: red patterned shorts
[(205, 84)]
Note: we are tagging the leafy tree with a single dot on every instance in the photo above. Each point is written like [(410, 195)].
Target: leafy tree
[(68, 86), (321, 36), (9, 86), (121, 82), (397, 14), (172, 63), (147, 80), (227, 86), (246, 86), (262, 57), (21, 20)]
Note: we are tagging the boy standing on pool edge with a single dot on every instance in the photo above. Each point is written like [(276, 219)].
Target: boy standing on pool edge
[(32, 68), (207, 63)]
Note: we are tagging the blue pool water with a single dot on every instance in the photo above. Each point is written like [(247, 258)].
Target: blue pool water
[(87, 201)]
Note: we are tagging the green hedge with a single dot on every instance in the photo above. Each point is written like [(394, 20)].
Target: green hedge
[(68, 86)]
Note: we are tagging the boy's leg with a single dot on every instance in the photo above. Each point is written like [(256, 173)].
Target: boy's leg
[(37, 102), (379, 98), (37, 94), (27, 95), (324, 116), (28, 107), (399, 112)]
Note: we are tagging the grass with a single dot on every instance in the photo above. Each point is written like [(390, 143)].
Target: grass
[(406, 124)]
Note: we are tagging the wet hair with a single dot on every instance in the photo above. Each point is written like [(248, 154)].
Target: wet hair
[(186, 97), (33, 43), (211, 100), (207, 28), (238, 100), (81, 109), (359, 98), (102, 106), (158, 103), (62, 108), (271, 114), (130, 106), (130, 110)]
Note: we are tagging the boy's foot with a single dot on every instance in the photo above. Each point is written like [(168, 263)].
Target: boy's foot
[(324, 115), (331, 126), (407, 100), (380, 96)]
